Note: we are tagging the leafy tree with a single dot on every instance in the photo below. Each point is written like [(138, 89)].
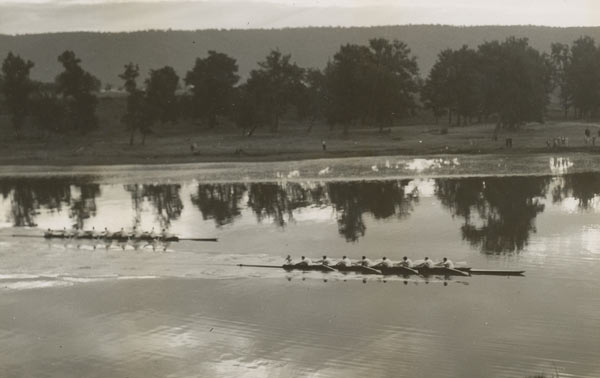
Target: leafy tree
[(583, 76), (347, 82), (248, 112), (212, 80), (313, 97), (77, 87), (160, 93), (378, 81), (561, 58), (276, 83), (17, 87), (394, 81), (48, 111), (517, 81), (137, 116)]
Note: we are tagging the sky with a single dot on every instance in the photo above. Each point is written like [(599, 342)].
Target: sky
[(38, 16)]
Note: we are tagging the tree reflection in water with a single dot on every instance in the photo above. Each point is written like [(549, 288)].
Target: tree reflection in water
[(506, 207), (584, 187), (220, 202), (28, 196), (499, 212), (164, 199), (382, 199), (278, 201)]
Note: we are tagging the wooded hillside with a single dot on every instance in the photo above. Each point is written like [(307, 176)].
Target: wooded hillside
[(105, 54)]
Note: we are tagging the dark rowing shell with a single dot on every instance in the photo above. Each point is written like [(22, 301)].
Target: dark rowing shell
[(397, 270), (401, 271), (115, 237)]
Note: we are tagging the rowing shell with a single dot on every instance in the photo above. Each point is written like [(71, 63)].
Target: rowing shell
[(397, 270)]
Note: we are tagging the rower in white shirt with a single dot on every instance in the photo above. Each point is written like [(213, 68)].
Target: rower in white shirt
[(324, 261), (446, 263), (427, 263), (345, 261), (406, 262), (365, 262), (304, 261), (384, 263)]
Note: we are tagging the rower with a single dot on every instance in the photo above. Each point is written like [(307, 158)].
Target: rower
[(427, 263), (365, 262), (345, 261), (406, 262), (288, 260), (304, 261), (384, 263), (324, 261), (446, 263)]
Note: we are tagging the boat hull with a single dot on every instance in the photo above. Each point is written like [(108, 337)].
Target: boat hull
[(401, 271)]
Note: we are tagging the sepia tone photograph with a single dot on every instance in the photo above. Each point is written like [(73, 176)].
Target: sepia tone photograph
[(303, 189)]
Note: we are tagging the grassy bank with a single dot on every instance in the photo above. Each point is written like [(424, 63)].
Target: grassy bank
[(172, 143)]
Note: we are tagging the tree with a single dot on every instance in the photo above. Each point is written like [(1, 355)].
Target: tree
[(277, 83), (394, 81), (561, 58), (248, 109), (454, 85), (313, 98), (583, 76), (212, 80), (17, 87), (347, 82), (517, 81), (160, 94), (77, 87), (377, 82), (137, 116)]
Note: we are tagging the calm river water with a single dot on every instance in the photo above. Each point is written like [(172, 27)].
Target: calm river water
[(186, 310)]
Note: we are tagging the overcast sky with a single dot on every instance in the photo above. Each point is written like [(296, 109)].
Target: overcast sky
[(35, 16)]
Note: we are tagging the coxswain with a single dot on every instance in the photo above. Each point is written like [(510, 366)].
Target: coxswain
[(345, 261), (324, 261), (304, 261), (288, 260), (446, 263), (365, 262), (406, 262), (384, 263), (427, 263)]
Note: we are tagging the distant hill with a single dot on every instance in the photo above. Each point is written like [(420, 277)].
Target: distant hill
[(104, 54)]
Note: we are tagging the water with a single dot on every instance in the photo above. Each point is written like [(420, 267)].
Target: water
[(94, 310)]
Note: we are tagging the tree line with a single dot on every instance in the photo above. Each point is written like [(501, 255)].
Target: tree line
[(506, 82)]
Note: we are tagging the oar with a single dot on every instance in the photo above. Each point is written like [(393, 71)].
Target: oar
[(411, 270), (330, 268), (260, 266), (31, 236), (201, 239), (369, 269)]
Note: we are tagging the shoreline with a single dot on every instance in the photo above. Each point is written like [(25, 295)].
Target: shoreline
[(185, 145)]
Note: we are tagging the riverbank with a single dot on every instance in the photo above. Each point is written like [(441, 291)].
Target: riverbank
[(185, 144)]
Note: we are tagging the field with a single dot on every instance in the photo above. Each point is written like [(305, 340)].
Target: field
[(187, 141)]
